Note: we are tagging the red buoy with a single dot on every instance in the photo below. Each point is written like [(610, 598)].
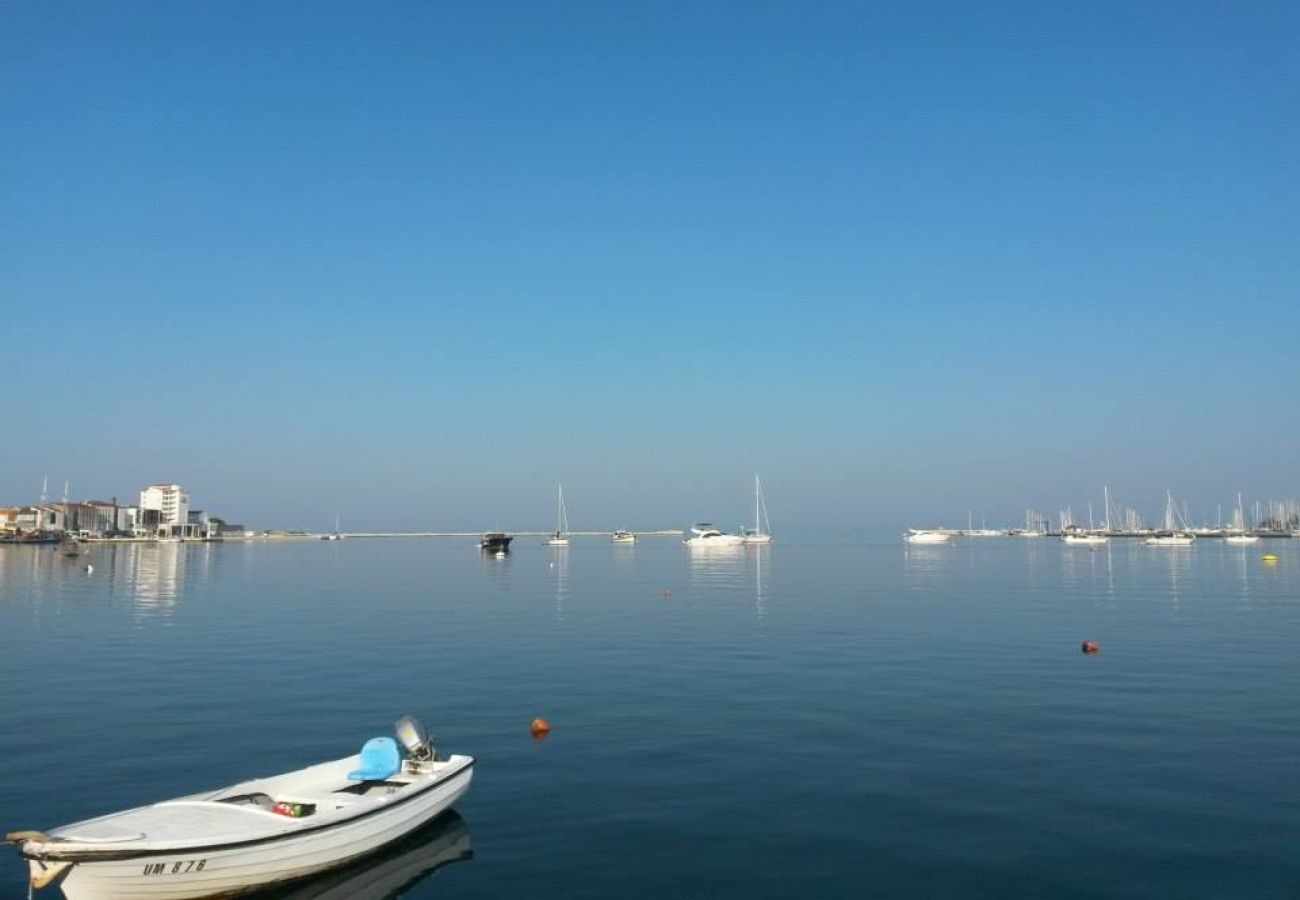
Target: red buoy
[(1091, 647), (540, 728)]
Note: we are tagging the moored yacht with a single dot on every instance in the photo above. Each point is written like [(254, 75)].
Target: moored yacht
[(1175, 532), (705, 535), (761, 533), (1079, 536), (922, 536), (495, 542), (1239, 535), (560, 537), (622, 537)]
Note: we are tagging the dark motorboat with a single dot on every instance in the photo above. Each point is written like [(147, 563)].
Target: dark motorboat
[(495, 542), (32, 537)]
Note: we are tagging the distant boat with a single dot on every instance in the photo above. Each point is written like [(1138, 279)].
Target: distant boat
[(705, 535), (622, 537), (560, 538), (1076, 535), (1238, 535), (921, 536), (337, 535), (31, 537), (1034, 526), (1175, 533), (972, 531), (761, 533), (495, 542)]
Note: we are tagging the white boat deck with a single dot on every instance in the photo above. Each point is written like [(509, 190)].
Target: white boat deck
[(243, 812)]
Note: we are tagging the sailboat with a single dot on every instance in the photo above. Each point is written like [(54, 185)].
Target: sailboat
[(561, 536), (1238, 535), (761, 533), (337, 535), (1073, 534), (1175, 533)]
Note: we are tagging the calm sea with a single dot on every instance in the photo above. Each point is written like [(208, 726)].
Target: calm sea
[(812, 719)]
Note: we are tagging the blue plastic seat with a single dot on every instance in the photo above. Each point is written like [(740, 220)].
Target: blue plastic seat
[(379, 759)]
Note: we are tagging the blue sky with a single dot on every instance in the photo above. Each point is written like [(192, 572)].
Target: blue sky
[(420, 262)]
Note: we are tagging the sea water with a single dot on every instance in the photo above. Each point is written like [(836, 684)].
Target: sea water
[(818, 718)]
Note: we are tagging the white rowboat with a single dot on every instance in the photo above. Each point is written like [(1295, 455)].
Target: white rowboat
[(253, 834)]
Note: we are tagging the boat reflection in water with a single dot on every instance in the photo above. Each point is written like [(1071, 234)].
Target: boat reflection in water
[(392, 872)]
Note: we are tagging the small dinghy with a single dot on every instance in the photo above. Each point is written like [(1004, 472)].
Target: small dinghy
[(254, 834)]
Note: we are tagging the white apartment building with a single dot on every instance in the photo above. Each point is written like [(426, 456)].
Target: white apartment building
[(164, 510)]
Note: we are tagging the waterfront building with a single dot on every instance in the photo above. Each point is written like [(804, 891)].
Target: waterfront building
[(164, 510)]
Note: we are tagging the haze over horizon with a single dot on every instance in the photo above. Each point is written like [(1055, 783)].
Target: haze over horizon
[(418, 264)]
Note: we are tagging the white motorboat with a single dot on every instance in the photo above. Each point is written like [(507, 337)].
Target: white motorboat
[(253, 834), (622, 537), (761, 533), (920, 536), (705, 535), (560, 537)]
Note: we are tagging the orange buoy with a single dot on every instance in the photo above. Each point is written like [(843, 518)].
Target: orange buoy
[(1090, 647), (540, 728)]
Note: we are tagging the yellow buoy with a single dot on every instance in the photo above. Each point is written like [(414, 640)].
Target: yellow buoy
[(1269, 557)]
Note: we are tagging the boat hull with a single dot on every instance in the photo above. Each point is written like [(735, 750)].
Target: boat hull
[(235, 869), (927, 537), (726, 540)]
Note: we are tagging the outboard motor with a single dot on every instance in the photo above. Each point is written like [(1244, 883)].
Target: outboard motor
[(411, 734)]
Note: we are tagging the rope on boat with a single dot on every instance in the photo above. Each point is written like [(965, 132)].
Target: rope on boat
[(17, 837)]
